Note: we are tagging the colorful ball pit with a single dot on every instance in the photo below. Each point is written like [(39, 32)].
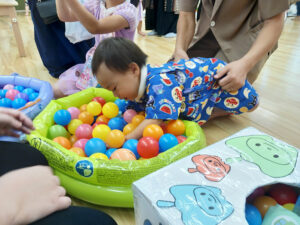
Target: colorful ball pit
[(98, 181)]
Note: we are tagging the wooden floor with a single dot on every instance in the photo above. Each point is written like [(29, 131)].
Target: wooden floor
[(278, 86)]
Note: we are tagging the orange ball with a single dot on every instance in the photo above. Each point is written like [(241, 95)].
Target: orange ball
[(154, 131), (123, 154), (86, 117), (78, 151), (83, 108), (263, 203), (73, 139), (128, 128), (137, 119), (115, 139), (64, 142), (175, 127), (102, 119)]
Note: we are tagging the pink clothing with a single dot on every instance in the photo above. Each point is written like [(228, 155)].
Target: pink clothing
[(80, 76)]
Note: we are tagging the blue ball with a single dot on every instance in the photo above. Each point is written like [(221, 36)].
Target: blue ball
[(116, 123), (110, 151), (5, 102), (19, 88), (166, 142), (131, 145), (33, 96), (94, 145), (3, 93), (18, 103), (253, 216), (62, 117), (22, 95), (122, 104), (28, 91)]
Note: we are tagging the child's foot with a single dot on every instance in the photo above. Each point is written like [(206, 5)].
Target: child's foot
[(141, 33), (219, 113)]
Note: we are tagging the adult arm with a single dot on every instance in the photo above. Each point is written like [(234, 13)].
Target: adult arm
[(64, 12)]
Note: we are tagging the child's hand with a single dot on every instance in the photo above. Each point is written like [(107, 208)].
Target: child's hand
[(30, 194), (11, 119), (138, 132)]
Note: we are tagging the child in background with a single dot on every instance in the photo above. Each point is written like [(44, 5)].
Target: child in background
[(109, 18), (140, 19), (186, 89)]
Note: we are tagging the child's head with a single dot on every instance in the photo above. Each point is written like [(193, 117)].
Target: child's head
[(117, 64)]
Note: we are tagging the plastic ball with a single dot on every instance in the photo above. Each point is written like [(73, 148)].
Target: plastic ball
[(83, 108), (73, 139), (94, 145), (137, 119), (96, 124), (11, 94), (23, 96), (5, 102), (131, 145), (3, 93), (263, 203), (84, 131), (176, 127), (115, 139), (99, 100), (28, 91), (86, 117), (122, 104), (283, 194), (74, 112), (33, 96), (102, 119), (289, 206), (110, 110), (110, 151), (256, 193), (62, 117), (64, 142), (166, 142), (101, 131), (99, 156), (57, 131), (153, 130), (253, 216), (116, 123), (123, 155), (94, 108), (148, 147), (128, 128), (81, 143), (72, 126), (8, 87), (78, 151), (181, 139), (129, 114), (18, 103), (19, 88)]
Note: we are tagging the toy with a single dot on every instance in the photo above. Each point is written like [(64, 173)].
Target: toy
[(18, 103), (28, 91), (117, 123), (84, 131), (102, 119), (19, 88), (73, 125), (83, 108), (289, 206), (110, 151), (115, 139), (148, 147), (154, 131), (5, 102), (62, 117), (86, 117), (181, 138), (253, 216), (263, 203), (283, 194), (94, 145), (122, 104), (81, 143), (74, 112), (101, 131), (110, 110), (11, 94), (99, 100), (56, 131), (8, 87), (128, 115), (137, 119), (73, 139), (260, 191), (123, 155), (3, 93), (33, 96), (94, 108), (166, 142), (128, 128), (78, 151), (99, 156), (175, 127), (64, 142), (131, 145), (22, 95), (277, 215)]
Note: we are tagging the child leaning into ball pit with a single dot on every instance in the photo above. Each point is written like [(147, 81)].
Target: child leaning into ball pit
[(186, 89)]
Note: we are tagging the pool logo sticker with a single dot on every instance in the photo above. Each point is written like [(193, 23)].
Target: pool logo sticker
[(198, 204), (84, 168), (212, 167), (273, 158)]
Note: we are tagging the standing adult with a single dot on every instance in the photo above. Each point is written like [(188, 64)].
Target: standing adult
[(242, 33)]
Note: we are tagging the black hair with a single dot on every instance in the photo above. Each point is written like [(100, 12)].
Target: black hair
[(117, 53)]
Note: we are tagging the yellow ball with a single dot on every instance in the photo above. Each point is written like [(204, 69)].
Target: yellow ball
[(137, 119), (99, 156), (115, 139), (128, 128), (101, 131), (94, 108), (73, 125), (110, 110), (289, 206)]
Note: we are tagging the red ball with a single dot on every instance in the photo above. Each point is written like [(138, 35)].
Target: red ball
[(181, 139), (99, 100), (148, 147), (283, 194)]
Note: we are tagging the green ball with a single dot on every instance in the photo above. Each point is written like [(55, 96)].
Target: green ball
[(57, 131)]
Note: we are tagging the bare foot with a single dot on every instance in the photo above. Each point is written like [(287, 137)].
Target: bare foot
[(219, 113), (141, 33)]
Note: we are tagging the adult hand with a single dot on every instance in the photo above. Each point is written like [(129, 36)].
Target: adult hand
[(233, 75), (179, 54), (30, 194), (11, 119)]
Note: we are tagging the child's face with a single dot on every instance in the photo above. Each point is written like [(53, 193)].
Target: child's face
[(124, 85)]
